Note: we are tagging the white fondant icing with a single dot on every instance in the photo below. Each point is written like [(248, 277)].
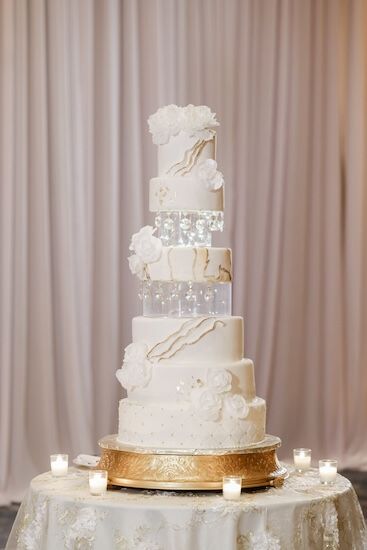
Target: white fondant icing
[(223, 345), (196, 264), (172, 382), (178, 426), (183, 193), (182, 153), (200, 392)]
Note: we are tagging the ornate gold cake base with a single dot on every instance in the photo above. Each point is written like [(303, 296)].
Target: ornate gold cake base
[(129, 466)]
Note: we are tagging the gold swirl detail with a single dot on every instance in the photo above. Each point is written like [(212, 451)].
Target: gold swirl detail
[(177, 336)]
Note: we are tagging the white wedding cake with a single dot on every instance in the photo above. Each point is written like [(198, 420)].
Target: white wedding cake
[(188, 385)]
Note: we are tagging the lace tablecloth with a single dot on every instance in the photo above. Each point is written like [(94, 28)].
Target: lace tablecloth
[(61, 513)]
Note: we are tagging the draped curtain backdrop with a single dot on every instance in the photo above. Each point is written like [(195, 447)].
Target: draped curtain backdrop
[(288, 81)]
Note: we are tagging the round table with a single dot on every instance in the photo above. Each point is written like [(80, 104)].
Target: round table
[(303, 514)]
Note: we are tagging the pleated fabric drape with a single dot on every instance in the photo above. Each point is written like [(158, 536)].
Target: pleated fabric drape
[(288, 81)]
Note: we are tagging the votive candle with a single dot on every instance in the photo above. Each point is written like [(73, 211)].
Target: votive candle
[(232, 487), (327, 470), (59, 465), (302, 459), (98, 482)]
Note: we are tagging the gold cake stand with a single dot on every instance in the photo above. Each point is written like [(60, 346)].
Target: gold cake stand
[(130, 466)]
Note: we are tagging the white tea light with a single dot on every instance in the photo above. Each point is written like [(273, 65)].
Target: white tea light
[(232, 487), (59, 465), (98, 482), (327, 469), (302, 459)]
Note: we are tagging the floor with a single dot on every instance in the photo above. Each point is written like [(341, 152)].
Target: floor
[(359, 480), (7, 517)]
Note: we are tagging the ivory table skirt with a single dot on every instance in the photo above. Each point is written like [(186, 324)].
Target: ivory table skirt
[(60, 513)]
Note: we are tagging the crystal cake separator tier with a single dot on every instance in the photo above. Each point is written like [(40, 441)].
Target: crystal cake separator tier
[(185, 299), (191, 414), (193, 228)]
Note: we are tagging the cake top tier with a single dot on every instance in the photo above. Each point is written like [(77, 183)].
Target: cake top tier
[(181, 275), (188, 179)]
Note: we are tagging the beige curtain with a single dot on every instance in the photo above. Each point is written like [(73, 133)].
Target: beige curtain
[(288, 81)]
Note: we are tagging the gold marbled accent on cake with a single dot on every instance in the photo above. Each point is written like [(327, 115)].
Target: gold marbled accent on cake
[(186, 161), (170, 336), (193, 160), (224, 275), (190, 158), (170, 263), (185, 344), (194, 263), (201, 262)]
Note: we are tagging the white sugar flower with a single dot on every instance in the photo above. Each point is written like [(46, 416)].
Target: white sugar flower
[(125, 376), (219, 380), (196, 121), (206, 402), (208, 175), (135, 352), (166, 122), (136, 370), (132, 376), (136, 265), (147, 247), (235, 405)]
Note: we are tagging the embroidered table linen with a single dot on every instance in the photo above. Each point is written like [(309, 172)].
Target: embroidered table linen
[(60, 513)]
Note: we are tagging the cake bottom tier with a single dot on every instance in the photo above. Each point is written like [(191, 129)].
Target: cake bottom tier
[(180, 427)]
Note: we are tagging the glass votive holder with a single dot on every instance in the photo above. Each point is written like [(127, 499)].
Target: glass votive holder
[(232, 487), (98, 482), (302, 459), (328, 469), (59, 465)]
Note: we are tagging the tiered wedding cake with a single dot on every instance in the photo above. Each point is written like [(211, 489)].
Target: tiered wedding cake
[(190, 392)]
